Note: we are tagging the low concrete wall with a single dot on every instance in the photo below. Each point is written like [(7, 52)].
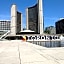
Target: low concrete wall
[(48, 43), (62, 43)]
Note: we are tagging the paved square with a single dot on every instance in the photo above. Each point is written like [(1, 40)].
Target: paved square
[(19, 52)]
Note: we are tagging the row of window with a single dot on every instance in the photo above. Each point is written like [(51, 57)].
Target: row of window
[(4, 25)]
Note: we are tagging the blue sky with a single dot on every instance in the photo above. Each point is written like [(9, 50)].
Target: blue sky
[(53, 10)]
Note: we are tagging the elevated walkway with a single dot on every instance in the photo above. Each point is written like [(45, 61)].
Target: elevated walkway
[(19, 52), (4, 35)]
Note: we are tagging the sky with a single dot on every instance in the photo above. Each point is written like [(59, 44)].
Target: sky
[(53, 10)]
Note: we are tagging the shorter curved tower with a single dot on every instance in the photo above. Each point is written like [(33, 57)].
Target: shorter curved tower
[(15, 20)]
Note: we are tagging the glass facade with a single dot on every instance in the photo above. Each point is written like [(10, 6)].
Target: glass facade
[(33, 18), (18, 22)]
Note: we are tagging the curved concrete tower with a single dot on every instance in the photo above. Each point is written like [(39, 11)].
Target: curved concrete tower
[(16, 20), (40, 17), (13, 19)]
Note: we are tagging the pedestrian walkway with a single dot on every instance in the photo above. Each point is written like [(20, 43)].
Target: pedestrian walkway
[(19, 52)]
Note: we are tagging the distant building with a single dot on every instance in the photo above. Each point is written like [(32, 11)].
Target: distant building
[(50, 30), (4, 25), (60, 26)]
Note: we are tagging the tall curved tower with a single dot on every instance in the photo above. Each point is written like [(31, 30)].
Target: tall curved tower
[(35, 18), (32, 18)]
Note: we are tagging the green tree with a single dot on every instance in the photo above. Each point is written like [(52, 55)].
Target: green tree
[(47, 31)]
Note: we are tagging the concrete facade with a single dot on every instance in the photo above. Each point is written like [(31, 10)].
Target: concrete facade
[(15, 20), (27, 18), (40, 17), (35, 18)]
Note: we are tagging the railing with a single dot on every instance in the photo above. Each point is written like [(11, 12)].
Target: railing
[(4, 36)]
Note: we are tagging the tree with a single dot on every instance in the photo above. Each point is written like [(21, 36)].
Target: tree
[(47, 31)]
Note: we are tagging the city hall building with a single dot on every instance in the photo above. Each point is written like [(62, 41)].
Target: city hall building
[(34, 21)]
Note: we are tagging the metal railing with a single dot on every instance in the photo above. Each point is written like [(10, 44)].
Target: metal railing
[(5, 35)]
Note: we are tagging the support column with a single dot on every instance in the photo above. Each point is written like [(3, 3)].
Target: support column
[(40, 17)]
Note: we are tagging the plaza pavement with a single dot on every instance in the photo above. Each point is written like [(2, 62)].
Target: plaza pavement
[(19, 52)]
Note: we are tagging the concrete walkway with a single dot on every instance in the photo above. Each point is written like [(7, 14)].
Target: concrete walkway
[(18, 52)]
